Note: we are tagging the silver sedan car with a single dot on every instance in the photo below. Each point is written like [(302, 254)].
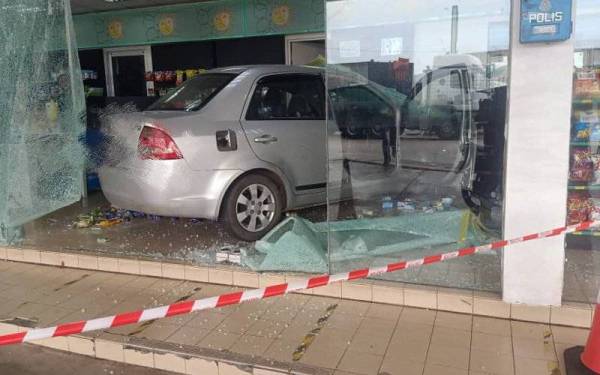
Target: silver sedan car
[(241, 144)]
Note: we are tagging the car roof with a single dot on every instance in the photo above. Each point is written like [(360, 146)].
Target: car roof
[(266, 69)]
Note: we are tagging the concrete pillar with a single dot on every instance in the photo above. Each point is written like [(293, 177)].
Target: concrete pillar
[(537, 163)]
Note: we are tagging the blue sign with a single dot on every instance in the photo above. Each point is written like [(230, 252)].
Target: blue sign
[(546, 20)]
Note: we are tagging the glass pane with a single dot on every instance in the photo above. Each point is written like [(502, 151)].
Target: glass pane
[(417, 93), (582, 268), (41, 114)]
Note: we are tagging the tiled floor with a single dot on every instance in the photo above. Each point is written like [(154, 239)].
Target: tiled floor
[(342, 336)]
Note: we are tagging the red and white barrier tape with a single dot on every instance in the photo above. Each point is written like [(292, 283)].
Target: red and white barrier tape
[(187, 307)]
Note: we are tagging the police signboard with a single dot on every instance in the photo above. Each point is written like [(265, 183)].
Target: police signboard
[(546, 20)]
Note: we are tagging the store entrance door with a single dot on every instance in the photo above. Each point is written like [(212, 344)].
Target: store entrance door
[(125, 70)]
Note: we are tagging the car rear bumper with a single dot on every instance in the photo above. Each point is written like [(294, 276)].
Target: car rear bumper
[(166, 188)]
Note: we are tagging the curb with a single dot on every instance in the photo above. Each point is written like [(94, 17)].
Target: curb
[(158, 355)]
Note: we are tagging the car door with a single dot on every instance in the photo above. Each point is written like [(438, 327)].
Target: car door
[(285, 125)]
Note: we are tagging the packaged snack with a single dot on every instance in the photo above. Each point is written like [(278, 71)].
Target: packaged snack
[(159, 76), (589, 116), (595, 209), (179, 78), (582, 167), (169, 76), (596, 164), (579, 208), (191, 73), (594, 132), (582, 131), (149, 76)]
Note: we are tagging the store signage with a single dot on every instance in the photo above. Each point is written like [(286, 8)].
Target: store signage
[(546, 20)]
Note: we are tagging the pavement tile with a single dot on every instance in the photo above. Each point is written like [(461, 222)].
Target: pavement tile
[(327, 356), (534, 348), (416, 315), (530, 366), (219, 340), (266, 328), (384, 312), (450, 356), (366, 341), (569, 335), (453, 320), (433, 369), (252, 345), (530, 330), (155, 330), (451, 337), (491, 343), (187, 335), (491, 326), (407, 352), (360, 363), (492, 362), (281, 350), (394, 366)]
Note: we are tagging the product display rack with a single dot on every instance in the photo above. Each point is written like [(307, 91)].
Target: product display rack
[(584, 176)]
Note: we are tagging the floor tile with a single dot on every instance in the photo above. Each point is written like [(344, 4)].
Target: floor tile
[(281, 350), (433, 369), (491, 326), (344, 321), (530, 330), (360, 363), (399, 367), (443, 336), (352, 307), (251, 345), (373, 343), (187, 335), (534, 348), (266, 328), (450, 356), (384, 312), (492, 362), (416, 333), (410, 352), (206, 320), (491, 343), (327, 356), (453, 320), (415, 315), (219, 340), (569, 335), (529, 366)]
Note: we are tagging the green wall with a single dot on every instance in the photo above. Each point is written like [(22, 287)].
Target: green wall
[(202, 21)]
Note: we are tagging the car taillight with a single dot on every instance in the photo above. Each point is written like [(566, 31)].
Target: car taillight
[(156, 144)]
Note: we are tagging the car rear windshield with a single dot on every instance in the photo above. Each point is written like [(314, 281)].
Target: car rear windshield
[(193, 94)]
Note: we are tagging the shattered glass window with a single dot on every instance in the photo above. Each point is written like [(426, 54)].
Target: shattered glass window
[(415, 136), (42, 113)]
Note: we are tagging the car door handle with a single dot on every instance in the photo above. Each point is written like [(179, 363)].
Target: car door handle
[(265, 139)]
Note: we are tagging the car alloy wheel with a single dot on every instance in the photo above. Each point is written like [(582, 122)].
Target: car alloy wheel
[(255, 208)]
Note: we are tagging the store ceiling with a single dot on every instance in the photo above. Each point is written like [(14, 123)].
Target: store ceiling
[(88, 6)]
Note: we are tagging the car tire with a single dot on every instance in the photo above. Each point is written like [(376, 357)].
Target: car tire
[(252, 207)]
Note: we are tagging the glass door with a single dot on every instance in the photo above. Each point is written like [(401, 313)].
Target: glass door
[(125, 70)]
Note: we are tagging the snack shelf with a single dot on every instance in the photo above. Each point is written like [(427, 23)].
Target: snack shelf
[(587, 233), (585, 143), (584, 187), (586, 101)]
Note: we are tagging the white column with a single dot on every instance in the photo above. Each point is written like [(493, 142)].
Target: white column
[(537, 163)]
